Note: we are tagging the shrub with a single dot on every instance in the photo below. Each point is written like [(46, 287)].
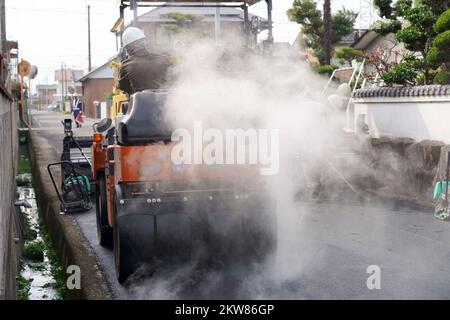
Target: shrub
[(23, 287), (436, 56), (438, 53), (326, 69), (385, 27), (29, 234), (412, 37), (404, 73), (34, 251), (412, 22), (442, 40), (24, 165), (348, 53), (442, 77), (443, 22)]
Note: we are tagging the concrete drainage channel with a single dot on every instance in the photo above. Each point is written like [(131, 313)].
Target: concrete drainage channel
[(40, 268), (40, 275), (64, 244)]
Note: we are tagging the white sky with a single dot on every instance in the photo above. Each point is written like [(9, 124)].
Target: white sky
[(51, 32)]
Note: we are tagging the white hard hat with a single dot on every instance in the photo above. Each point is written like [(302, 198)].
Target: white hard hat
[(131, 35)]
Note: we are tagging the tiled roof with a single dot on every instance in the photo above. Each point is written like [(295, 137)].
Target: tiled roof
[(417, 91), (160, 14)]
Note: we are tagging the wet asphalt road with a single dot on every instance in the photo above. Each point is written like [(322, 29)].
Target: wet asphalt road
[(326, 255)]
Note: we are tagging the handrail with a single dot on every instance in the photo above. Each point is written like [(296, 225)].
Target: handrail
[(332, 76), (361, 68)]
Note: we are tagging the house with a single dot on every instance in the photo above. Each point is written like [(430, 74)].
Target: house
[(47, 94), (385, 47), (370, 41), (97, 85), (156, 25), (309, 55), (347, 41)]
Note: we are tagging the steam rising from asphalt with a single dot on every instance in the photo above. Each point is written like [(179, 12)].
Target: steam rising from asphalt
[(234, 88)]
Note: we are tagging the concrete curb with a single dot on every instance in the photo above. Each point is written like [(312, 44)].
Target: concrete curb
[(73, 247)]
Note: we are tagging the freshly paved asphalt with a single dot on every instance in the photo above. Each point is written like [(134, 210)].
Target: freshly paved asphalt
[(325, 254)]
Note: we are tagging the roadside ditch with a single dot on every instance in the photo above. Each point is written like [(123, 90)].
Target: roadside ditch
[(41, 275)]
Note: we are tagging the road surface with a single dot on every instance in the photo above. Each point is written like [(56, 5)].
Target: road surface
[(331, 251)]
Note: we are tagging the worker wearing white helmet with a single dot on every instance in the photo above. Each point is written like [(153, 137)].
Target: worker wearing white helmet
[(131, 35), (141, 70)]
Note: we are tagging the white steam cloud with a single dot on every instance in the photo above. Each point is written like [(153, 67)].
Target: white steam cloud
[(232, 88)]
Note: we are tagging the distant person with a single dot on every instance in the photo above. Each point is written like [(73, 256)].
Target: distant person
[(76, 109), (141, 69)]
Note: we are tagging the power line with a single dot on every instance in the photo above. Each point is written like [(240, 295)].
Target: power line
[(96, 1), (57, 11), (70, 55)]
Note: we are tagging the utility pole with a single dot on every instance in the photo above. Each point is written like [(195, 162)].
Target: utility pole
[(2, 26), (62, 87), (30, 97), (134, 7), (269, 20), (65, 84), (38, 95), (217, 25), (246, 24), (122, 15), (327, 30), (89, 38), (46, 90)]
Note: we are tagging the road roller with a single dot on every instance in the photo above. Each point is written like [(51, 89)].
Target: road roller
[(151, 209)]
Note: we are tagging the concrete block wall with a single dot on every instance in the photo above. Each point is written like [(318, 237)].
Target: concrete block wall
[(9, 217), (420, 113)]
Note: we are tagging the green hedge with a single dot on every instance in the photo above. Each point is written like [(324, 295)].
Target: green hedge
[(384, 28), (326, 69), (442, 77), (436, 56), (443, 22), (412, 37), (403, 73), (442, 40)]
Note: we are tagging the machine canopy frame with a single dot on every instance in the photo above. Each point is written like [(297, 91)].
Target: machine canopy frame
[(243, 4)]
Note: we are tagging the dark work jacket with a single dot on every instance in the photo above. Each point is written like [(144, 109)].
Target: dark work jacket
[(143, 71)]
